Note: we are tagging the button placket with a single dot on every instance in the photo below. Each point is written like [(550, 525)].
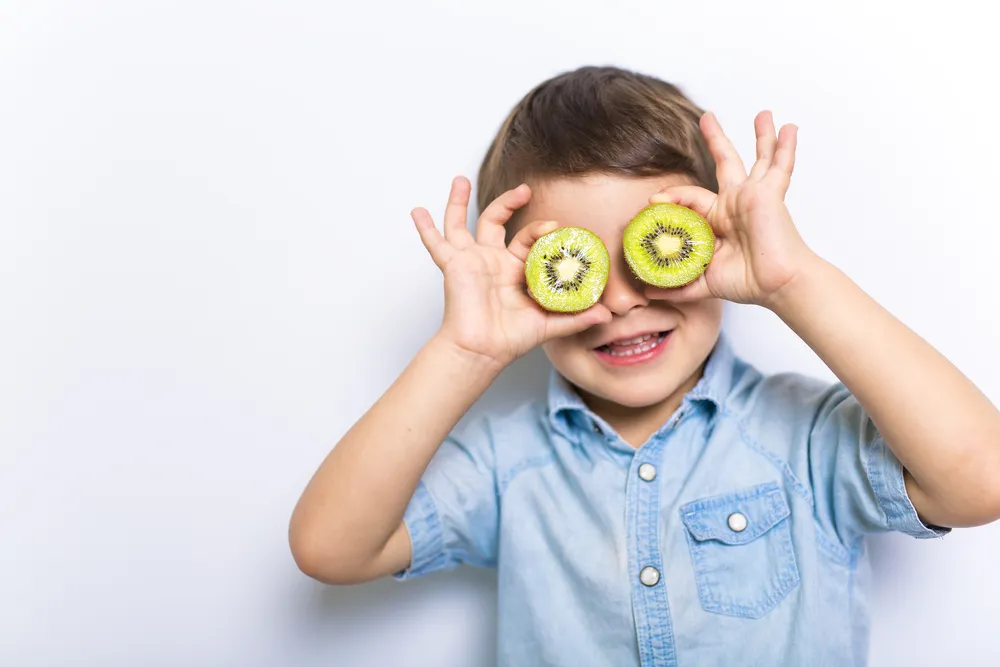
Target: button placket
[(650, 607)]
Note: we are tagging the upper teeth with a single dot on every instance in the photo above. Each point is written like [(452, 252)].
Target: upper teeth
[(634, 341), (647, 344)]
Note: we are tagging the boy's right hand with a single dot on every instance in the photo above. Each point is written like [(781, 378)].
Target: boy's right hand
[(488, 312)]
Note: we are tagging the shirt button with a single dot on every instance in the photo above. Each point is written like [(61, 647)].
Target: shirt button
[(647, 472), (597, 429), (737, 522), (649, 576)]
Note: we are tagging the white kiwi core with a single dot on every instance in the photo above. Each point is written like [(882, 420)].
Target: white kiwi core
[(667, 244), (568, 268)]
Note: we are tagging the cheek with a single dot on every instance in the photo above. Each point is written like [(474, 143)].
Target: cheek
[(704, 315), (560, 350), (555, 349)]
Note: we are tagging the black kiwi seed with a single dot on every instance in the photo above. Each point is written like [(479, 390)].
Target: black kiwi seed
[(578, 291), (694, 243), (648, 244), (551, 261)]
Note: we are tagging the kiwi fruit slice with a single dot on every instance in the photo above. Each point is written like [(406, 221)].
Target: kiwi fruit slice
[(668, 245), (567, 269)]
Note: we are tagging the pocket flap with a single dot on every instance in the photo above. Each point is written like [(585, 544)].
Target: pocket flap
[(762, 507)]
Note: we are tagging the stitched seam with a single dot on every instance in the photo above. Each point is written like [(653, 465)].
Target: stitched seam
[(430, 553), (724, 499), (876, 479), (833, 549), (773, 458), (785, 470), (525, 464), (784, 580), (705, 525)]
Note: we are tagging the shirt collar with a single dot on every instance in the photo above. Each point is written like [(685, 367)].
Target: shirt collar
[(717, 380), (713, 387)]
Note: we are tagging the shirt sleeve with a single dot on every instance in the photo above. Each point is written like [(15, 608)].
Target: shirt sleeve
[(857, 481), (453, 516)]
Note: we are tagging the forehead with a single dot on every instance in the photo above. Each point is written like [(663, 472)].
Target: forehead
[(602, 203)]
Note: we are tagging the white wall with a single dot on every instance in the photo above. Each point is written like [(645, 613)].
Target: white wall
[(207, 273)]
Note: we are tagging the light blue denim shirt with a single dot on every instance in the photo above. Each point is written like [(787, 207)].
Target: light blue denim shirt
[(733, 536)]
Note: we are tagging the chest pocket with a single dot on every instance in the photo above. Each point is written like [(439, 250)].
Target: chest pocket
[(741, 549)]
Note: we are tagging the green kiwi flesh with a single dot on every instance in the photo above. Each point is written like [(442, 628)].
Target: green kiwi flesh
[(567, 269), (668, 245)]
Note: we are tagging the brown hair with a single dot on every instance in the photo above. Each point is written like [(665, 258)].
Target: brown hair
[(597, 120)]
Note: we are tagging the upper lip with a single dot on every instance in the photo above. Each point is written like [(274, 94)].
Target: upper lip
[(617, 339)]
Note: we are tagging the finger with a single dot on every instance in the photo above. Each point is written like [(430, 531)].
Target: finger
[(490, 229), (455, 230), (784, 157), (690, 292), (729, 167), (521, 244), (439, 249), (696, 198), (559, 326), (763, 126)]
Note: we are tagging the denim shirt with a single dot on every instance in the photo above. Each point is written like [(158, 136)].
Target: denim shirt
[(733, 536)]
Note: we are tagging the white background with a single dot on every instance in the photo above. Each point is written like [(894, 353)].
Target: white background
[(208, 272)]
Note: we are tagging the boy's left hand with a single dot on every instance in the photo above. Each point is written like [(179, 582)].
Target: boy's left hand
[(758, 250)]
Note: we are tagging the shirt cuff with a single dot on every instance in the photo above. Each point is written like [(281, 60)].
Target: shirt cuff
[(885, 472), (426, 535)]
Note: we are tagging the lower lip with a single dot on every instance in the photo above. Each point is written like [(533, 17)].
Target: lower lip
[(633, 359)]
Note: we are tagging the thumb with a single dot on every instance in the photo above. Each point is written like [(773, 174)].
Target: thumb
[(696, 198), (690, 292)]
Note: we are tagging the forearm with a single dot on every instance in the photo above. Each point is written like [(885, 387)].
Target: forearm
[(942, 428), (357, 497)]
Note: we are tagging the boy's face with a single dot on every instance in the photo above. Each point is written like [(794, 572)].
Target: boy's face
[(604, 362)]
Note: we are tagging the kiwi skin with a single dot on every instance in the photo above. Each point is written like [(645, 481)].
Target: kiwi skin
[(575, 242), (697, 248)]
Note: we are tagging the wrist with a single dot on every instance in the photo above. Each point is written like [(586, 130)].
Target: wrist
[(471, 364), (801, 286)]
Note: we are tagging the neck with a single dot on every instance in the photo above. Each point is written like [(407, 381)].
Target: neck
[(636, 424)]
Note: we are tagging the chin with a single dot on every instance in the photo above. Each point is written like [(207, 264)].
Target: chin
[(634, 395)]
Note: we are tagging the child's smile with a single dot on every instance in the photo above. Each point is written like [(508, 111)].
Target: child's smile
[(639, 349), (651, 351)]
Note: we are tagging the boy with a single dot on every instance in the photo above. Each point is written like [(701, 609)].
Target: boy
[(666, 504)]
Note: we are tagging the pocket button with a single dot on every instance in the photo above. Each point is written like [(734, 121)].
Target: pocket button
[(649, 576), (737, 522)]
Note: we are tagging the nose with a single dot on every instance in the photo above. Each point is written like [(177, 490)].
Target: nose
[(624, 291)]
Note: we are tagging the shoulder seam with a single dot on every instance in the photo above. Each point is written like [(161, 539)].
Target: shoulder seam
[(781, 465), (800, 488), (528, 463)]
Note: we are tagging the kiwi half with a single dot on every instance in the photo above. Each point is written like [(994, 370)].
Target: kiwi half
[(567, 270), (668, 245)]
